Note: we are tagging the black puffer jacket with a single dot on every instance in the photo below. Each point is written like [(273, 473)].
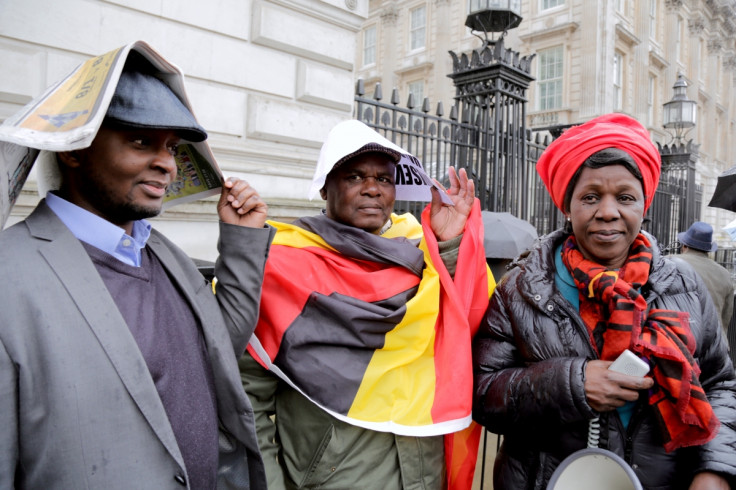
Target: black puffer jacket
[(530, 355)]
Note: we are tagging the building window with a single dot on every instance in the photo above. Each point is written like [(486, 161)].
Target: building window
[(550, 78), (548, 4), (704, 75), (369, 46), (417, 28), (653, 19), (650, 101), (416, 90), (618, 76), (678, 39)]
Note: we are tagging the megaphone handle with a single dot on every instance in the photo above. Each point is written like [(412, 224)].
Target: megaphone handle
[(594, 432)]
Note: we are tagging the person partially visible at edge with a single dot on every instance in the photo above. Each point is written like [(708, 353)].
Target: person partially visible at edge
[(362, 349), (697, 242), (117, 361), (580, 297)]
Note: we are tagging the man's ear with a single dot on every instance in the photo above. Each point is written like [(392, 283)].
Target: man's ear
[(68, 158), (323, 194)]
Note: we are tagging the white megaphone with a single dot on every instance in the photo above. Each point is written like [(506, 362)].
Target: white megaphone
[(594, 468)]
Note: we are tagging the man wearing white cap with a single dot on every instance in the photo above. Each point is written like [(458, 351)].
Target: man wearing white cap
[(697, 242), (117, 367), (362, 347)]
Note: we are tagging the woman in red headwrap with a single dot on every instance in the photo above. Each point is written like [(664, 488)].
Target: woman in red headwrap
[(578, 299)]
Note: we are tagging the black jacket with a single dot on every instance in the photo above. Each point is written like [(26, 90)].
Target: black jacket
[(529, 358)]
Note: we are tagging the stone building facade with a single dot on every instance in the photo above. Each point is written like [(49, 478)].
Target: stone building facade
[(267, 78), (591, 57)]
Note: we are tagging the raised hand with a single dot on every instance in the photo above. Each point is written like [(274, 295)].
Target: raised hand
[(447, 221), (241, 205)]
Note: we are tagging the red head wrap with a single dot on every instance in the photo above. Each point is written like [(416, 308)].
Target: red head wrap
[(562, 158)]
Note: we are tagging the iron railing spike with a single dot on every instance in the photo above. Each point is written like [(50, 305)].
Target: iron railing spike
[(378, 92), (426, 107)]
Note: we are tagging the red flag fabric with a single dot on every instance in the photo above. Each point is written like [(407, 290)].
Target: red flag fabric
[(373, 329)]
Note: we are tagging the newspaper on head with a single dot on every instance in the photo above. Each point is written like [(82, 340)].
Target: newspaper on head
[(67, 116)]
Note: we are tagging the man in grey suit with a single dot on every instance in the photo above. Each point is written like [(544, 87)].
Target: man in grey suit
[(696, 243), (117, 362)]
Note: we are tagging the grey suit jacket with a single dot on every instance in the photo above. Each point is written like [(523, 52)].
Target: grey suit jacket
[(78, 407)]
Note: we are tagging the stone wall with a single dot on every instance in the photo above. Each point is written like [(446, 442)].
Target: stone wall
[(266, 78)]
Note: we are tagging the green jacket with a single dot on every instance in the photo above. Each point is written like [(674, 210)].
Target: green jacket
[(717, 279), (305, 447)]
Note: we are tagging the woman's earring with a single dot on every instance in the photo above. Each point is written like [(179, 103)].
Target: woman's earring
[(567, 218)]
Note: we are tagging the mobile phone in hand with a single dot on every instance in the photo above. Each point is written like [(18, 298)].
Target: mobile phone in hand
[(629, 363)]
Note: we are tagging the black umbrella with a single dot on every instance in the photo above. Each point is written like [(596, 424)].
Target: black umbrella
[(725, 194), (506, 236), (205, 267)]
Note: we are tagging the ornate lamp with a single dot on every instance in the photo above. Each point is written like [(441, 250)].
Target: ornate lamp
[(680, 112), (493, 15)]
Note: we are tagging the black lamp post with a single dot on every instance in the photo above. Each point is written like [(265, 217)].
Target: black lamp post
[(679, 160), (680, 112), (493, 15)]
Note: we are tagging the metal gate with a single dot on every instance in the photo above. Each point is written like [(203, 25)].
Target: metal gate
[(485, 133)]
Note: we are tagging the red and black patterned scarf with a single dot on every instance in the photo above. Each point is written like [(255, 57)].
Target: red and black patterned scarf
[(616, 316)]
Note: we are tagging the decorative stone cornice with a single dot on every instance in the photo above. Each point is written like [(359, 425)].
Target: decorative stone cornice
[(729, 22), (626, 35), (696, 24), (673, 4), (657, 60), (564, 30), (715, 44), (729, 62), (390, 14), (714, 24)]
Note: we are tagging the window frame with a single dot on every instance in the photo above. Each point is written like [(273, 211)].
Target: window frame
[(545, 101), (414, 29), (618, 80), (678, 40), (417, 99), (544, 5), (653, 8), (651, 99), (374, 47)]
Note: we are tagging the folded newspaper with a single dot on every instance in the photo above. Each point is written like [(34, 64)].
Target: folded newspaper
[(67, 116)]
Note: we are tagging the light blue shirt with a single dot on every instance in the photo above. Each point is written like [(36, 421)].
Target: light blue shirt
[(100, 233), (566, 284)]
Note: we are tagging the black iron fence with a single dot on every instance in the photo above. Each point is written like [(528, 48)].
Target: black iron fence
[(678, 199), (508, 184)]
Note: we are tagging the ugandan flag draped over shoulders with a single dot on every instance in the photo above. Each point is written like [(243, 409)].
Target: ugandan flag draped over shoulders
[(372, 328)]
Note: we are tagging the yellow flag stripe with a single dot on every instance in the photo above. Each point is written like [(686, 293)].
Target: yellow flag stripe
[(406, 362)]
